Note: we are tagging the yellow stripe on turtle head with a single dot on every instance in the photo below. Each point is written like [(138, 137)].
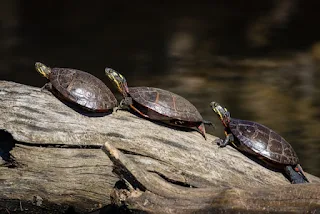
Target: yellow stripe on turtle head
[(222, 112), (216, 107), (219, 113), (117, 79), (43, 69)]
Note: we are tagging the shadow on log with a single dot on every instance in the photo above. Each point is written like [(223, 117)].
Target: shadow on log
[(148, 192), (52, 158)]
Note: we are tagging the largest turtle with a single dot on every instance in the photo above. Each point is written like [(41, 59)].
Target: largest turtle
[(158, 104), (78, 87), (260, 141)]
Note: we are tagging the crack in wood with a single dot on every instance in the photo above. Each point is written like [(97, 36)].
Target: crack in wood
[(68, 166), (179, 183), (61, 146)]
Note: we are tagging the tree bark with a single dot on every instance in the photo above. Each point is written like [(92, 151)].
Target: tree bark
[(52, 157)]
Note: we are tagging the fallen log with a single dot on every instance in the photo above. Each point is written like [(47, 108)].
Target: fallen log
[(149, 193), (52, 153)]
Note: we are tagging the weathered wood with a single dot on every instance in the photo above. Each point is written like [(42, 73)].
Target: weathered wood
[(58, 152), (64, 174), (150, 193)]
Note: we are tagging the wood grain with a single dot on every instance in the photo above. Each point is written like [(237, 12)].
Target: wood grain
[(57, 150)]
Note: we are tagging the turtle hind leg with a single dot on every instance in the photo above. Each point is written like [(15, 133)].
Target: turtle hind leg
[(295, 174), (299, 169), (209, 123)]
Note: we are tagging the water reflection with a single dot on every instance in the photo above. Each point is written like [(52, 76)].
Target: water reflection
[(202, 52)]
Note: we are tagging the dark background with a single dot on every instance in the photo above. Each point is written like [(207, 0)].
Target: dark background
[(260, 59)]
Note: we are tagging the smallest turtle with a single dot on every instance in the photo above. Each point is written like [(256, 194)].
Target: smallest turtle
[(261, 142), (78, 87)]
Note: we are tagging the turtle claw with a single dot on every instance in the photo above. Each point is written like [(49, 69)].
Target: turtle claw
[(120, 107), (115, 109), (43, 88), (219, 142)]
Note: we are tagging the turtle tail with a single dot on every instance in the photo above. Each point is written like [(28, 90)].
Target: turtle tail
[(296, 174), (202, 130)]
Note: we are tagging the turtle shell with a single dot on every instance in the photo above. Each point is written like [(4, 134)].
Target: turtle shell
[(260, 140), (165, 103), (82, 88)]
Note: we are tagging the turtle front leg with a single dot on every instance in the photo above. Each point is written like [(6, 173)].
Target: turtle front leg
[(222, 143), (47, 86), (124, 104)]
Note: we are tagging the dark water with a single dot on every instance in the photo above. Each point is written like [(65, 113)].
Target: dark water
[(251, 57)]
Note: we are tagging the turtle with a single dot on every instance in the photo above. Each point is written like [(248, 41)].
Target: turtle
[(261, 142), (158, 104), (79, 87)]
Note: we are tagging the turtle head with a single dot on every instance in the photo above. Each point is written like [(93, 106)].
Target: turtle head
[(118, 80), (43, 69), (222, 113)]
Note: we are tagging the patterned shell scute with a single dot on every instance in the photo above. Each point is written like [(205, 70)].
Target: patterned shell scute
[(263, 141), (166, 103), (82, 88)]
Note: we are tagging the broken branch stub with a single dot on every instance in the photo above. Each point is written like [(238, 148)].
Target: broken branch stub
[(160, 196)]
